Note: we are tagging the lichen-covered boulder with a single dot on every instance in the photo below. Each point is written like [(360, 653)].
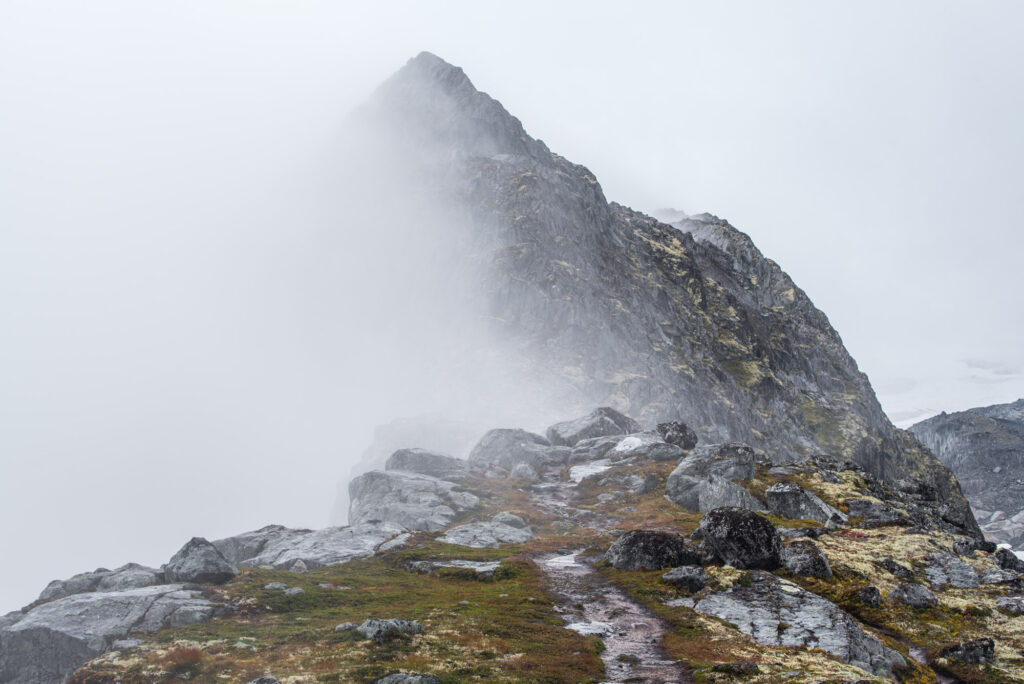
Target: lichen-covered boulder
[(600, 422), (199, 561), (654, 550), (973, 652), (679, 433), (790, 500), (381, 630), (779, 613), (742, 538), (425, 462), (869, 596), (803, 557)]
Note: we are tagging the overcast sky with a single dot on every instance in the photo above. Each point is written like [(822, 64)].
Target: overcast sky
[(155, 176)]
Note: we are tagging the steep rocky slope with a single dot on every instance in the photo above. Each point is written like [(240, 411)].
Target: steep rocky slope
[(614, 307), (583, 560), (984, 447)]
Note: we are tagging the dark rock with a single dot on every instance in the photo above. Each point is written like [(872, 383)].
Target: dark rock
[(1008, 560), (690, 577), (944, 568), (780, 613), (875, 513), (199, 561), (965, 546), (790, 500), (601, 422), (896, 569), (382, 630), (441, 466), (653, 550), (1011, 604), (742, 538), (869, 596), (803, 557), (974, 652), (678, 433), (914, 595), (703, 480), (742, 668)]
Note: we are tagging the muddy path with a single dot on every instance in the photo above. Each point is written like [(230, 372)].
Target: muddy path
[(591, 605)]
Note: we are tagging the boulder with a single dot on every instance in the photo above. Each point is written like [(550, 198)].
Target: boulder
[(328, 546), (593, 449), (487, 535), (704, 478), (944, 568), (53, 639), (130, 576), (875, 513), (895, 569), (408, 678), (790, 500), (654, 550), (382, 630), (869, 596), (248, 545), (1011, 604), (691, 577), (265, 680), (803, 557), (1008, 560), (200, 562), (779, 613), (424, 462), (648, 445), (914, 595), (511, 519), (678, 433), (499, 451), (410, 500), (973, 652), (600, 422), (742, 538)]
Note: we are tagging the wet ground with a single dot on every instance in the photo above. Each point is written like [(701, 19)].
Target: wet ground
[(591, 605)]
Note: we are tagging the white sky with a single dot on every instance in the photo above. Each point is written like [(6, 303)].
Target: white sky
[(154, 181)]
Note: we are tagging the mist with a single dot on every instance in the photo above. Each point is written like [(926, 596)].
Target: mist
[(206, 314)]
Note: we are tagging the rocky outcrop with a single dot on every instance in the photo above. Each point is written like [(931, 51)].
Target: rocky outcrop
[(704, 479), (501, 529), (199, 562), (601, 422), (425, 462), (130, 576), (382, 630), (409, 500), (284, 548), (647, 445), (914, 595), (943, 569), (51, 640), (984, 447), (654, 550), (501, 450), (774, 611), (741, 538)]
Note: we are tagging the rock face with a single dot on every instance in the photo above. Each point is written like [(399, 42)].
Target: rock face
[(53, 639), (410, 500), (499, 451), (601, 422), (985, 449), (425, 462), (742, 538), (619, 306), (199, 562), (653, 550), (130, 576), (703, 480), (769, 603), (790, 500)]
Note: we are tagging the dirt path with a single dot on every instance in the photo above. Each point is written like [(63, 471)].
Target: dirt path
[(591, 605)]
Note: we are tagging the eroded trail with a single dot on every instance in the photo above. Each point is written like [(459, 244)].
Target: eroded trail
[(591, 605)]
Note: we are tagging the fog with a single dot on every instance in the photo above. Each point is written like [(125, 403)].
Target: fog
[(204, 317)]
